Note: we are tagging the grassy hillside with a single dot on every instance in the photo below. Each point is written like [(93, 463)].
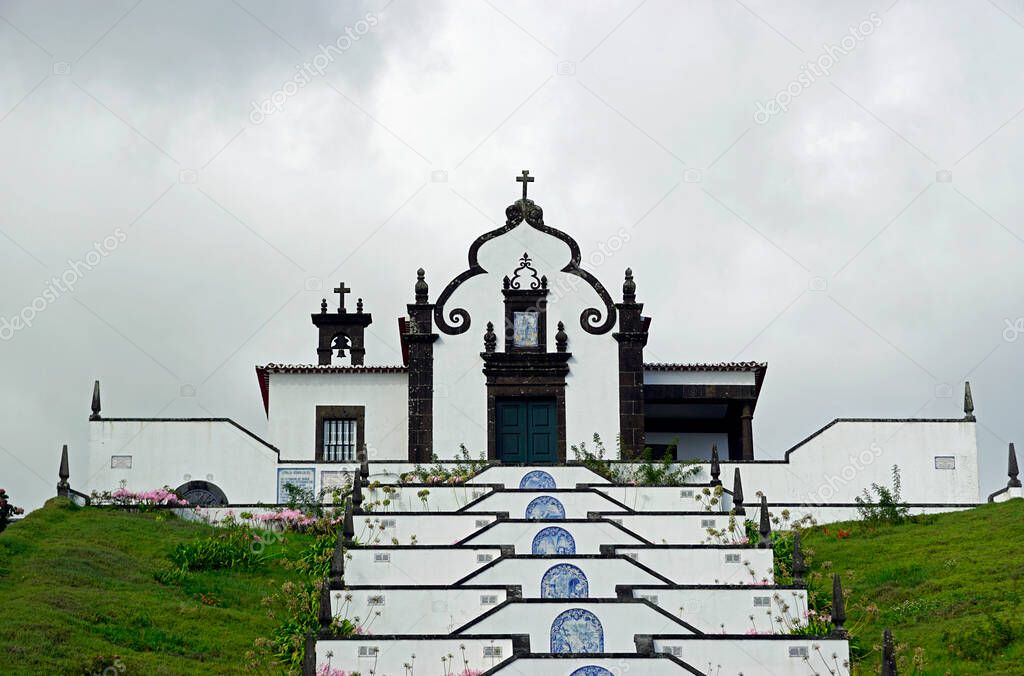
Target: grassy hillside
[(79, 596), (80, 593), (950, 585)]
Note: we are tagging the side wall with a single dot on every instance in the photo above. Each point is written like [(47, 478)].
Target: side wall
[(172, 452), (938, 463), (291, 424)]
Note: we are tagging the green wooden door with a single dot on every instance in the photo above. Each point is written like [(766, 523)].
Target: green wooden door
[(527, 430)]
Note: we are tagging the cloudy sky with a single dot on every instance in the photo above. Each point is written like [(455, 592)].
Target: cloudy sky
[(829, 187)]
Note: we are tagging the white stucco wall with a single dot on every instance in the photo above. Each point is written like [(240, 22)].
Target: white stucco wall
[(620, 621), (566, 476), (422, 610), (386, 656), (173, 452), (588, 535), (515, 502), (546, 666), (428, 528), (414, 565), (705, 565), (602, 574), (759, 655), (291, 421), (728, 609), (844, 459), (591, 395)]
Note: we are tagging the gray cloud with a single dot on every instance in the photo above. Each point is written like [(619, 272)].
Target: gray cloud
[(820, 241)]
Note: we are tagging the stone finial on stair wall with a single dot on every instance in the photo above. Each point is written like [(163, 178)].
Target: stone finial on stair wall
[(364, 464), (838, 609), (64, 473), (765, 527), (326, 614), (737, 494), (799, 568), (888, 655), (95, 401), (348, 530), (968, 403), (1012, 470), (716, 468), (309, 656), (337, 571), (357, 493)]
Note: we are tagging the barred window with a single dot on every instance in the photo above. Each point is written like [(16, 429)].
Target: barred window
[(339, 440)]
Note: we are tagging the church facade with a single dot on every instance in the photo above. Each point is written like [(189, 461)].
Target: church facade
[(519, 356)]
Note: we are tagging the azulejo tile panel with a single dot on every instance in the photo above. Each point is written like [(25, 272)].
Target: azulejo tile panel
[(564, 581), (591, 670), (553, 540), (577, 630), (545, 507), (537, 478)]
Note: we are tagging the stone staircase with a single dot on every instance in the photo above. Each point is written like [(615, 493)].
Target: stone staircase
[(555, 571)]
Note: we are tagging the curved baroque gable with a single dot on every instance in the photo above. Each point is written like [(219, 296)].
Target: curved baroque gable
[(457, 320)]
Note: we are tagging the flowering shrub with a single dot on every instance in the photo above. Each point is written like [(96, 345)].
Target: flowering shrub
[(463, 469), (122, 497), (7, 510)]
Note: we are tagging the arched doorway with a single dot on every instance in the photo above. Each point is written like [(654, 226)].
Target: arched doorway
[(202, 494)]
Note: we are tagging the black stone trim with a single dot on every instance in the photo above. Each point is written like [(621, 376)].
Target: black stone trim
[(582, 602), (580, 488), (644, 542), (498, 668), (522, 375), (629, 588), (525, 209), (740, 637)]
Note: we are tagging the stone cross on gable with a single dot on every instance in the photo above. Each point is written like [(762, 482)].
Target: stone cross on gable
[(525, 179), (341, 291)]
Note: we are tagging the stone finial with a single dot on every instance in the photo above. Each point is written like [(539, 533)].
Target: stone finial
[(326, 614), (561, 338), (348, 528), (357, 493), (359, 306), (337, 573), (765, 527), (968, 403), (95, 401), (838, 608), (490, 338), (737, 494), (309, 656), (888, 654), (543, 281), (364, 464), (323, 306), (629, 287), (1011, 468), (799, 567), (716, 468), (64, 473), (422, 289)]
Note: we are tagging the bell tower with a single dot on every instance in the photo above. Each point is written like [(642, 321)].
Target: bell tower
[(341, 332)]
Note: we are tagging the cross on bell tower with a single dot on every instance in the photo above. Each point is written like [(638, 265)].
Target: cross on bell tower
[(342, 330), (342, 290), (525, 179)]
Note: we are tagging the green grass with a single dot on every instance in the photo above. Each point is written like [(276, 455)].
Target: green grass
[(78, 588), (949, 584)]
